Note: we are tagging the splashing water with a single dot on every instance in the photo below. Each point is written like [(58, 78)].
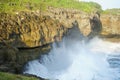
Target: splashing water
[(95, 60)]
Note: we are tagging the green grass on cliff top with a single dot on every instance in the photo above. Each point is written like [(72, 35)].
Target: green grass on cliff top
[(27, 5), (84, 6), (115, 11), (8, 76)]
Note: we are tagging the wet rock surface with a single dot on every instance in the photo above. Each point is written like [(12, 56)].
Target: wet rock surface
[(12, 60)]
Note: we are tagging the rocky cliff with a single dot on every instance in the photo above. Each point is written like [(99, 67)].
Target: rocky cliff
[(68, 16), (32, 29), (110, 23), (22, 34), (21, 37), (27, 29)]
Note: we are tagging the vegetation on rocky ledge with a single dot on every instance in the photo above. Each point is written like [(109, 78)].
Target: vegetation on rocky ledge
[(84, 6), (112, 11), (8, 76), (26, 5)]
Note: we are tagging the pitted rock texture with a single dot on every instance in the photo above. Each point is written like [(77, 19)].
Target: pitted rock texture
[(68, 16), (27, 29), (110, 24)]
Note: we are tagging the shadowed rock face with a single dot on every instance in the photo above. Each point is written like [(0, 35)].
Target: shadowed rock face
[(96, 26), (13, 60), (74, 33)]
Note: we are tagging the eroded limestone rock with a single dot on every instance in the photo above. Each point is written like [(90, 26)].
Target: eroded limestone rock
[(28, 29)]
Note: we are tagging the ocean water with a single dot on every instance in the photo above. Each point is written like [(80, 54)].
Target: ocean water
[(78, 60)]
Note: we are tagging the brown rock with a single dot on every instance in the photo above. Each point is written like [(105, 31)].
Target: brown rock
[(111, 24), (28, 29)]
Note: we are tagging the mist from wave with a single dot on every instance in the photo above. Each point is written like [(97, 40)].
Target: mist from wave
[(94, 60)]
